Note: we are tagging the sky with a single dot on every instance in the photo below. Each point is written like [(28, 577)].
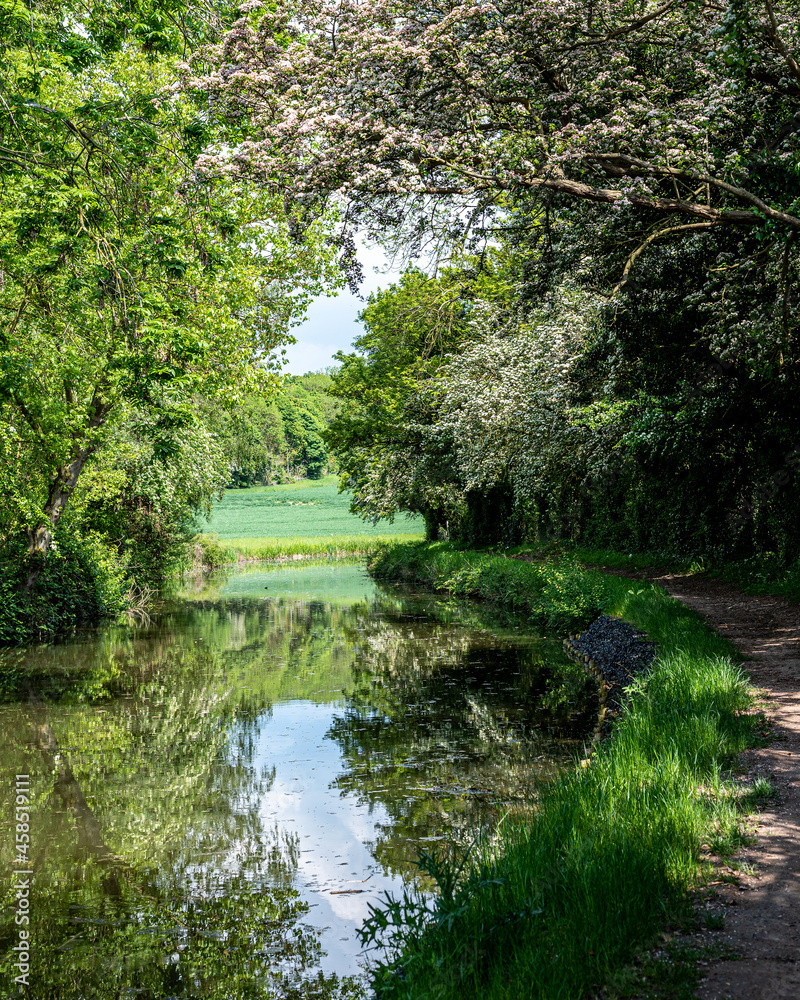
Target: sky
[(330, 323)]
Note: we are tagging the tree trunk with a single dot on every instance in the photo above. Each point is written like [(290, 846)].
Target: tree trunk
[(90, 834), (40, 536)]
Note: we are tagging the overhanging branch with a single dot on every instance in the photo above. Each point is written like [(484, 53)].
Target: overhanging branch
[(632, 167), (778, 43), (669, 231)]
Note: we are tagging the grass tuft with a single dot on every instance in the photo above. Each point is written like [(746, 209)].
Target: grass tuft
[(760, 793)]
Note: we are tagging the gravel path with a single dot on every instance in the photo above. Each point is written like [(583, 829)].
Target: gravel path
[(761, 910)]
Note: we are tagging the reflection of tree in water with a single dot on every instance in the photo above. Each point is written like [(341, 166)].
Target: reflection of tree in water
[(155, 876), (180, 890), (446, 727)]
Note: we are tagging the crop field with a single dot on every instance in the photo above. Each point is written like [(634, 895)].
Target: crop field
[(310, 509)]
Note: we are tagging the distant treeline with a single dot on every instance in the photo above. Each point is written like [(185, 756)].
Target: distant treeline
[(276, 440)]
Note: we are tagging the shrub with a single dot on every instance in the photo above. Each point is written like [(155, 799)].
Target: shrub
[(83, 582), (211, 553), (555, 597)]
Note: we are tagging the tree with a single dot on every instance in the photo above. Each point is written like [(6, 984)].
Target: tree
[(379, 434), (264, 438), (251, 436), (684, 112), (146, 506), (303, 426), (645, 152), (128, 283), (507, 401)]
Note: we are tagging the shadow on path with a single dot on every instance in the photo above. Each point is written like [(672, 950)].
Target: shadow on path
[(762, 911)]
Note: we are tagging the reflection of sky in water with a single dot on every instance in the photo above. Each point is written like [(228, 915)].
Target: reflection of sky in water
[(388, 721), (333, 829)]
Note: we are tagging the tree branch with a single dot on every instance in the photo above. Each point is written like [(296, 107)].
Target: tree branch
[(787, 284), (634, 168), (29, 418), (5, 335), (779, 44), (557, 181), (669, 231), (626, 29)]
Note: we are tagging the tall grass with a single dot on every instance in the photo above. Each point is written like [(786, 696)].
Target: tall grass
[(551, 904), (215, 552)]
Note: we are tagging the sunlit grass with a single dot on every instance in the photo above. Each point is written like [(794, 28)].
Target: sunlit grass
[(300, 484), (308, 509), (554, 597), (552, 905), (275, 548), (220, 552)]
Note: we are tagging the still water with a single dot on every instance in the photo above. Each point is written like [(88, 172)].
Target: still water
[(219, 796)]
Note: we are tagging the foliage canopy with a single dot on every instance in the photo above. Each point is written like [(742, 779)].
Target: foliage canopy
[(128, 284)]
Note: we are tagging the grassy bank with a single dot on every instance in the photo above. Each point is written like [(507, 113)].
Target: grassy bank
[(215, 552), (555, 596), (757, 575), (555, 905)]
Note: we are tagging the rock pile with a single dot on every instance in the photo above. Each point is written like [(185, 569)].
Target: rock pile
[(614, 652), (618, 649)]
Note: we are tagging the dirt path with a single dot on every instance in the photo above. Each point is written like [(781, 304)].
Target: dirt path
[(762, 911)]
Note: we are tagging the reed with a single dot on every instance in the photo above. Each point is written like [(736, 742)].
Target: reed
[(214, 552)]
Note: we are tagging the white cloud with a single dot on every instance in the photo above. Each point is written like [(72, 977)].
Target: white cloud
[(331, 324)]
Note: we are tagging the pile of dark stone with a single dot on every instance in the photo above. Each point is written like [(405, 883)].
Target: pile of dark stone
[(614, 652), (619, 650)]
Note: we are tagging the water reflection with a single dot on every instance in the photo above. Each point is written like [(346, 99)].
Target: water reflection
[(218, 797)]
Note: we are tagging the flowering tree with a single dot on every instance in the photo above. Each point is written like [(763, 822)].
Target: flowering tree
[(506, 401), (647, 151), (685, 110), (436, 415)]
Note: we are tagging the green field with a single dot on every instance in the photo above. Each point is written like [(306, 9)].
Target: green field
[(309, 509)]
